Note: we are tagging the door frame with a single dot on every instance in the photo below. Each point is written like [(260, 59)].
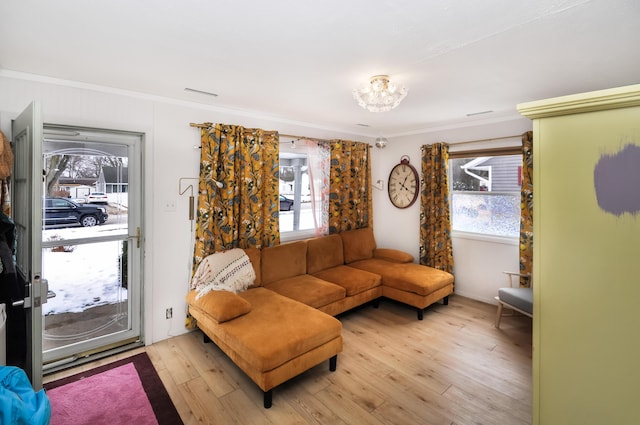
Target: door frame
[(63, 358)]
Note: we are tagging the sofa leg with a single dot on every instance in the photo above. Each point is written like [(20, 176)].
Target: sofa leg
[(420, 313), (333, 362), (268, 399), (445, 300), (205, 338), (376, 303)]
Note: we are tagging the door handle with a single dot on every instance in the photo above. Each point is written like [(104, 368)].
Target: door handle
[(137, 237), (35, 300), (26, 301)]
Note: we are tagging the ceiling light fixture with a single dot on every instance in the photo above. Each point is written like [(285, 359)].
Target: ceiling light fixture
[(381, 142), (380, 95)]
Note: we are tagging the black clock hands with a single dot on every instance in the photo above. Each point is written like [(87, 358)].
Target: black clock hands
[(404, 181)]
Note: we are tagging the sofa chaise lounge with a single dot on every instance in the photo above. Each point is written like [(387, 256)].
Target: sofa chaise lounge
[(283, 324)]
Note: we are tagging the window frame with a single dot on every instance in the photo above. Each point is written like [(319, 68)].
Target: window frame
[(298, 148), (475, 153)]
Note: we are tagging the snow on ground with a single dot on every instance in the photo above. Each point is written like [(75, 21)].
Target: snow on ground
[(86, 277), (89, 275)]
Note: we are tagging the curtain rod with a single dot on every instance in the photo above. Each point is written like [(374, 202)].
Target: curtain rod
[(203, 125), (293, 136)]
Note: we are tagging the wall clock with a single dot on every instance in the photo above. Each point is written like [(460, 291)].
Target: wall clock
[(403, 184)]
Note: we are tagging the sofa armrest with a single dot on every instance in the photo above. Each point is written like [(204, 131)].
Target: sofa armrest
[(221, 305), (393, 255)]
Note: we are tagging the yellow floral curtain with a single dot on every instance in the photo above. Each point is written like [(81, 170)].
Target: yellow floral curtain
[(435, 222), (243, 212), (526, 208), (350, 186), (6, 167)]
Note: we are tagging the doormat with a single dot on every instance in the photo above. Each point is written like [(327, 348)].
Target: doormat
[(128, 391)]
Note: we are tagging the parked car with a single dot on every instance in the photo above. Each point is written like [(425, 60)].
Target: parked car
[(97, 198), (285, 203), (65, 211)]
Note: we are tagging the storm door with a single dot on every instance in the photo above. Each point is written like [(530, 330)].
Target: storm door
[(91, 242)]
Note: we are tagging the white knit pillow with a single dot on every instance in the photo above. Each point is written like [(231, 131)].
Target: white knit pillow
[(224, 271)]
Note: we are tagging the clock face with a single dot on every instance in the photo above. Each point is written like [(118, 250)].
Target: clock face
[(403, 185)]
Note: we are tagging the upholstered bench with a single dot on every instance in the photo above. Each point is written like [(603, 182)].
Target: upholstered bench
[(519, 299), (272, 338)]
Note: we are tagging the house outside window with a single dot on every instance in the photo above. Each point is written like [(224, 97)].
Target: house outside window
[(485, 194)]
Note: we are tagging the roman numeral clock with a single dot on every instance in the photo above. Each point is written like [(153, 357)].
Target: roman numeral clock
[(403, 184)]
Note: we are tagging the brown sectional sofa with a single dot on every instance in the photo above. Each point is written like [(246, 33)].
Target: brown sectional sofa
[(283, 325)]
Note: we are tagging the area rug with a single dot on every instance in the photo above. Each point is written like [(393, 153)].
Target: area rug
[(128, 391)]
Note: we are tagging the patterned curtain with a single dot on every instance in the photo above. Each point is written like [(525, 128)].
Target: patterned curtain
[(435, 219), (6, 167), (350, 186), (526, 208), (244, 212)]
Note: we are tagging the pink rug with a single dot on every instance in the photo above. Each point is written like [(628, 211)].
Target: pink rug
[(125, 392)]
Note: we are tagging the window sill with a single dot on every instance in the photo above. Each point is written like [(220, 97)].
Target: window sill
[(506, 240), (297, 235)]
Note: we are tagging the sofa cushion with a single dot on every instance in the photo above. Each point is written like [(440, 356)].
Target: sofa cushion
[(283, 261), (221, 305), (270, 335), (254, 256), (309, 290), (410, 277), (358, 244), (394, 255), (323, 253), (353, 280)]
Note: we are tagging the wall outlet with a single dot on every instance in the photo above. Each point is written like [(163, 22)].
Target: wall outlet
[(169, 313)]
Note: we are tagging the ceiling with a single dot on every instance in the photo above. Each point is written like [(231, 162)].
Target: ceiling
[(297, 61)]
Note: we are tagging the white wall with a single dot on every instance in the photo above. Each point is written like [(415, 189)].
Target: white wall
[(169, 155)]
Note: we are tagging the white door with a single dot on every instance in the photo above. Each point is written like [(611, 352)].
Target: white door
[(27, 215), (113, 241), (91, 242)]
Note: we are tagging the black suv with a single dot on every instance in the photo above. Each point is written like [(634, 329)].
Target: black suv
[(65, 211)]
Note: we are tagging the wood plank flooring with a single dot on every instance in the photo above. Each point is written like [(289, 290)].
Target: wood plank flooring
[(453, 367)]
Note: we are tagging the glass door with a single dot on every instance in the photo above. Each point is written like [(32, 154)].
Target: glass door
[(91, 242)]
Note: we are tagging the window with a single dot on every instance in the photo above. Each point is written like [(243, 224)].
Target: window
[(304, 170), (485, 194)]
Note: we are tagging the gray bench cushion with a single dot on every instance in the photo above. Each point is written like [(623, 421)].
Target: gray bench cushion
[(521, 298)]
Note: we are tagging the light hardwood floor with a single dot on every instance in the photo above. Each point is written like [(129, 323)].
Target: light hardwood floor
[(453, 367)]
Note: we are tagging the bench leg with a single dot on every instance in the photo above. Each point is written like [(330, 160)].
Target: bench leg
[(268, 399), (499, 315), (333, 362), (420, 313)]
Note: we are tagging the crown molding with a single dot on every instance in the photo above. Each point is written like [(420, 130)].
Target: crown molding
[(619, 97)]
